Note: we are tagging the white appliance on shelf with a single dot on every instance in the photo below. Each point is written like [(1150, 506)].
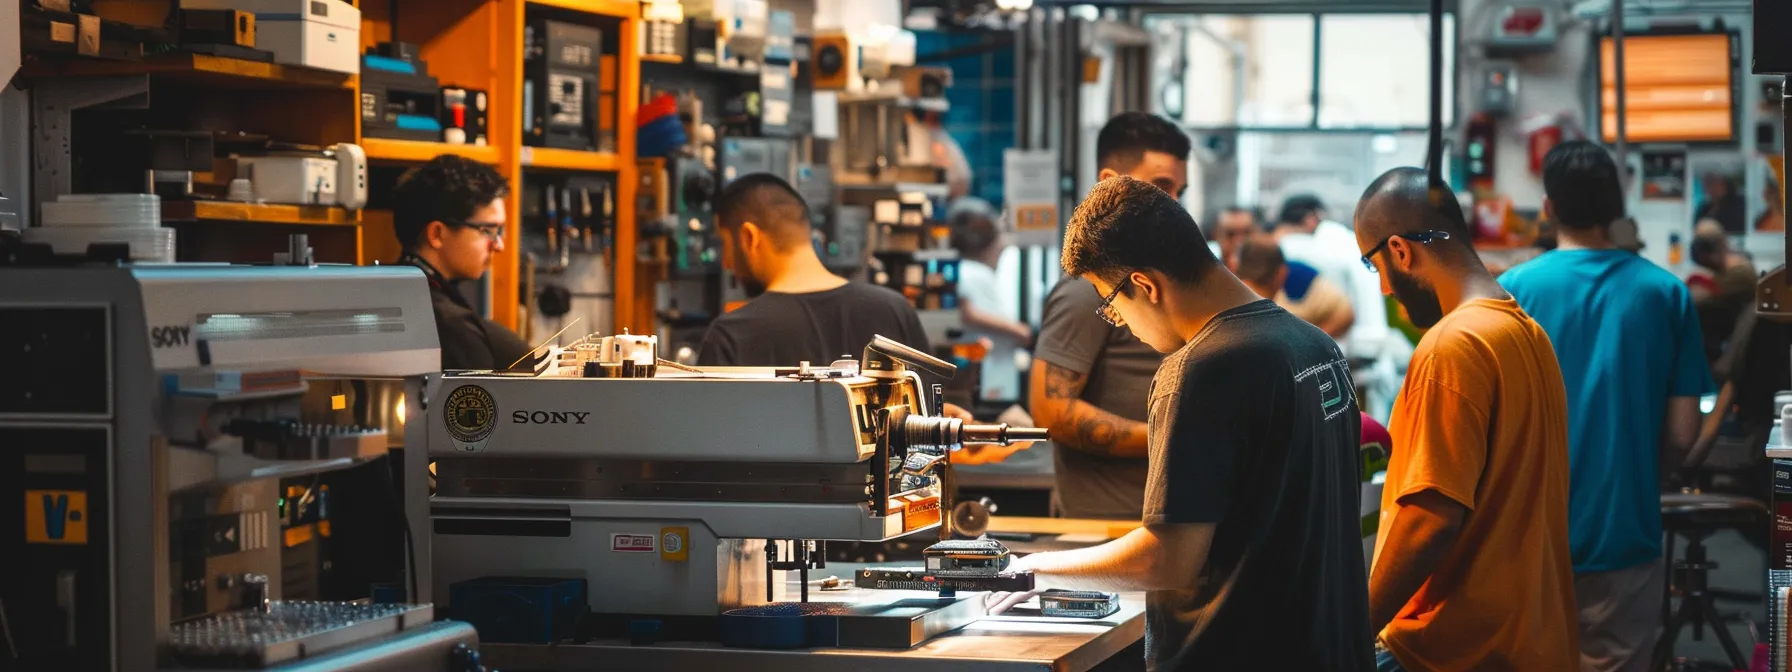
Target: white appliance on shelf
[(322, 34)]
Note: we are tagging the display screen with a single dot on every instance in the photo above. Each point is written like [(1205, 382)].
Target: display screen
[(1677, 89)]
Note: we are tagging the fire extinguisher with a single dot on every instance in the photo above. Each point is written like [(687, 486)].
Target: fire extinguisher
[(1541, 141)]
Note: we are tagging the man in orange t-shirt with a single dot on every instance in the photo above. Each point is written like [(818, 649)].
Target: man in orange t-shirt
[(1472, 567)]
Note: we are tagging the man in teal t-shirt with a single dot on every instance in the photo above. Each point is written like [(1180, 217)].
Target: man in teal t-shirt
[(1633, 361)]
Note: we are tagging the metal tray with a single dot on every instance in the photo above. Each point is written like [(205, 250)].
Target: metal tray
[(288, 631)]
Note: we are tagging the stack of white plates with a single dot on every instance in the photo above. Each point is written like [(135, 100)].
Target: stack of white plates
[(74, 221)]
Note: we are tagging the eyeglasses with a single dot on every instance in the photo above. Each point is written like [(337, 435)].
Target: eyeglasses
[(1424, 238), (1106, 310), (492, 231)]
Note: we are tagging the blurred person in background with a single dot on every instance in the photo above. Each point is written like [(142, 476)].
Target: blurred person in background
[(1723, 202), (1234, 225), (1722, 283), (977, 235), (1260, 265), (1633, 366), (1308, 236), (1775, 217)]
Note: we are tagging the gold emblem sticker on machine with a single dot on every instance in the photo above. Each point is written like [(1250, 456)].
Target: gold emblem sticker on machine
[(55, 517), (471, 415), (674, 544)]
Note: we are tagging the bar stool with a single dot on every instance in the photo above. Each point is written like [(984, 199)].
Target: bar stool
[(1695, 516)]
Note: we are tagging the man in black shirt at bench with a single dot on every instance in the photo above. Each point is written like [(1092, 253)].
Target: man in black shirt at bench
[(799, 311)]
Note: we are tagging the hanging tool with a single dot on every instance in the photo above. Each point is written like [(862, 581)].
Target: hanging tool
[(553, 215), (565, 224), (585, 216), (608, 222)]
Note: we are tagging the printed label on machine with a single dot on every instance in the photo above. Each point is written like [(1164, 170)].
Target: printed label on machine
[(55, 517), (1781, 557), (632, 543)]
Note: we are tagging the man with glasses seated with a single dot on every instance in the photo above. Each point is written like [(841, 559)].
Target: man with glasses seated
[(449, 216)]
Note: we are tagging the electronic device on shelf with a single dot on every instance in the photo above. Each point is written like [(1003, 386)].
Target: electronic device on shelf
[(337, 176), (399, 99), (322, 34), (560, 84), (464, 115)]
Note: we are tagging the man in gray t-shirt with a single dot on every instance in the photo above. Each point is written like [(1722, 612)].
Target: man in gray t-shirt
[(1090, 387), (1090, 380)]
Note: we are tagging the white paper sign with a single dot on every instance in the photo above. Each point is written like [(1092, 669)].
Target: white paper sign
[(1030, 179)]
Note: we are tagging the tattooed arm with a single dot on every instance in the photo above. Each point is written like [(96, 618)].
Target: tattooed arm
[(1076, 424)]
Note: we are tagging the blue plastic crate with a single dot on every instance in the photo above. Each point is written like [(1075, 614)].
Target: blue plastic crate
[(519, 610)]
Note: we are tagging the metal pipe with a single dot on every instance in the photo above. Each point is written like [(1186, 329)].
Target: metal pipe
[(1048, 68), (1621, 150), (1023, 43), (1434, 152)]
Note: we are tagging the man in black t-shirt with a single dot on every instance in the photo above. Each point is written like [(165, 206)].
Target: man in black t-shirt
[(799, 311), (1251, 548), (448, 215)]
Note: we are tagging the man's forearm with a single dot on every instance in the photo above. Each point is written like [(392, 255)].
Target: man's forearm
[(1086, 428), (1417, 543), (1136, 561), (988, 321)]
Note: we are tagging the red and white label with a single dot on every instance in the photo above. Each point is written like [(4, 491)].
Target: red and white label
[(631, 543)]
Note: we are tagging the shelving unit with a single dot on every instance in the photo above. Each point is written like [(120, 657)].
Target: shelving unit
[(413, 151), (619, 9), (475, 44), (479, 44), (229, 211), (200, 69)]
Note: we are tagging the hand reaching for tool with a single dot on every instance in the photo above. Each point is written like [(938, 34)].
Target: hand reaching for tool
[(997, 602)]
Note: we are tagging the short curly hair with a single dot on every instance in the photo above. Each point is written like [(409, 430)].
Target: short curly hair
[(1127, 225), (447, 189)]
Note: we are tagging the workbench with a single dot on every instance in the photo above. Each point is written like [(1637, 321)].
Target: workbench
[(1009, 642), (1004, 643)]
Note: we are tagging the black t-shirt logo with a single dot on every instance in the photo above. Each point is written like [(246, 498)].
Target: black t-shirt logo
[(1334, 391)]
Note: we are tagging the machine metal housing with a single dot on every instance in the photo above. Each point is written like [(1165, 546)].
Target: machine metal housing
[(130, 510), (622, 483)]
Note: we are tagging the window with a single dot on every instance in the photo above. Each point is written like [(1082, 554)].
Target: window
[(1246, 70), (1265, 71), (1333, 166), (1375, 70)]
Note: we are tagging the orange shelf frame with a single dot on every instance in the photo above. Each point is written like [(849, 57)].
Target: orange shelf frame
[(412, 151), (634, 308), (570, 159), (231, 211), (620, 9), (200, 69)]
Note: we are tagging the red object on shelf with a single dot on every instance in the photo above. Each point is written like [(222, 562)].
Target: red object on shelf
[(662, 105)]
